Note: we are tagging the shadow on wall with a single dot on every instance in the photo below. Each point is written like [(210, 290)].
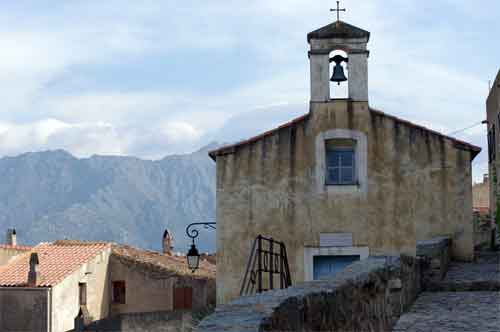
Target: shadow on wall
[(145, 322)]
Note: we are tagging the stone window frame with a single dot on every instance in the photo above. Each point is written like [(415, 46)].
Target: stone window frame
[(361, 161), (311, 252)]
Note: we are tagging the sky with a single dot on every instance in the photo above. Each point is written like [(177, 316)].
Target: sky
[(153, 78)]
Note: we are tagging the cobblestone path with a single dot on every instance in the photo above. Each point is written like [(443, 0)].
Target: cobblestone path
[(453, 312), (467, 300), (481, 276)]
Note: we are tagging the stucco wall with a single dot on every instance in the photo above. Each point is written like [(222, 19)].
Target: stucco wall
[(6, 254), (24, 309), (150, 291), (492, 111), (418, 187), (65, 297)]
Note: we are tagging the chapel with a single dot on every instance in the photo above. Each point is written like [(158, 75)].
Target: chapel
[(342, 182)]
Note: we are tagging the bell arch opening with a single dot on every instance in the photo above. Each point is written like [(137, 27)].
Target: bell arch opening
[(339, 74)]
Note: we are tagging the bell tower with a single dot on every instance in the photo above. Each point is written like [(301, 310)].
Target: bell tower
[(338, 36)]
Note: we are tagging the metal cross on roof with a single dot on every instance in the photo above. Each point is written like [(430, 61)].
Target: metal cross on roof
[(338, 10)]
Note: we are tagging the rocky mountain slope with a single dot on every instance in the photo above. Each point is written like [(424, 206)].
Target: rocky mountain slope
[(53, 195)]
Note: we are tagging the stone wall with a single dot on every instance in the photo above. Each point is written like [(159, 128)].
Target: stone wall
[(24, 309), (492, 113), (167, 321), (270, 186), (483, 227), (436, 253), (369, 295)]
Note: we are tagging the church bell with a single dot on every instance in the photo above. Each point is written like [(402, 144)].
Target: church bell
[(338, 71)]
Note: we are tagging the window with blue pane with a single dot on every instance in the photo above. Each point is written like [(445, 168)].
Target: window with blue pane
[(340, 162)]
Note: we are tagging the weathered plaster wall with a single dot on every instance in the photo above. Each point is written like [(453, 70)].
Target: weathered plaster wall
[(492, 112), (149, 291), (24, 309), (65, 297), (157, 296), (6, 254), (418, 187)]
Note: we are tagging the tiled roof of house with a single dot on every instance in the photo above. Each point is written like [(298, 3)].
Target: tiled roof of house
[(57, 261), (229, 149), (20, 248), (161, 263)]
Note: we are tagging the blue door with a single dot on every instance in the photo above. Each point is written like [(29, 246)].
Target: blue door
[(328, 266)]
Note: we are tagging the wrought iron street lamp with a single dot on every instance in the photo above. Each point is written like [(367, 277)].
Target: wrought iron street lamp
[(193, 256)]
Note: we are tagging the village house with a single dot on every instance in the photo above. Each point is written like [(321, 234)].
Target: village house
[(10, 248), (56, 285), (493, 122), (481, 211), (481, 196), (343, 182)]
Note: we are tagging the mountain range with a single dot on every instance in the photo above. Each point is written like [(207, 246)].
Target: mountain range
[(53, 195)]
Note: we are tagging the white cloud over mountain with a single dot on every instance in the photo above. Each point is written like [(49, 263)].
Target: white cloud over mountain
[(150, 78)]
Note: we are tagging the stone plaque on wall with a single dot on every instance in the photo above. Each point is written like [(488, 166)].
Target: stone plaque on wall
[(335, 240)]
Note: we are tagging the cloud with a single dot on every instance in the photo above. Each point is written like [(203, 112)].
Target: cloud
[(85, 139), (180, 131), (82, 139), (150, 78)]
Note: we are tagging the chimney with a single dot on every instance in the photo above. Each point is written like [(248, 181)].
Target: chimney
[(167, 243), (11, 237), (34, 273)]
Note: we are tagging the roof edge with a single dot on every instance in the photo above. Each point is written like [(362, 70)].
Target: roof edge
[(231, 148), (458, 143), (16, 247), (496, 84), (328, 31)]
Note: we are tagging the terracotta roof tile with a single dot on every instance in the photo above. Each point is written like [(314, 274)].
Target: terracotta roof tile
[(159, 262), (229, 149), (57, 261), (20, 248)]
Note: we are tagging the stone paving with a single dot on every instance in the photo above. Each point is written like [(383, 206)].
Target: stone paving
[(467, 300), (453, 312), (480, 276)]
